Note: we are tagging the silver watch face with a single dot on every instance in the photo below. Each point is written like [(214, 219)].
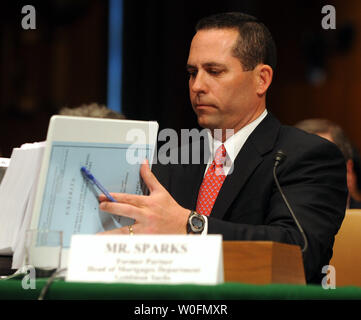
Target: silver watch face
[(197, 223)]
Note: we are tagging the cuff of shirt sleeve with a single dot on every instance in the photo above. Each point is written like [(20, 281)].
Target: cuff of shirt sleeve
[(205, 230)]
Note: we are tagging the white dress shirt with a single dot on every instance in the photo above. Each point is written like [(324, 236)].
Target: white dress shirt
[(233, 145)]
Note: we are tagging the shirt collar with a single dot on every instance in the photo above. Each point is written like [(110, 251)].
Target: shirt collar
[(235, 143)]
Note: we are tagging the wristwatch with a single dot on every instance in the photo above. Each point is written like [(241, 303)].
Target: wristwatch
[(195, 223)]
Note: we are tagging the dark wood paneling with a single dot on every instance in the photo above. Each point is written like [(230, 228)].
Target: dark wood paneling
[(61, 63)]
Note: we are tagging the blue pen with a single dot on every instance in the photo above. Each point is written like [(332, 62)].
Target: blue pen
[(92, 179)]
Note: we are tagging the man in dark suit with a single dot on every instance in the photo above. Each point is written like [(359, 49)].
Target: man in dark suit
[(230, 65)]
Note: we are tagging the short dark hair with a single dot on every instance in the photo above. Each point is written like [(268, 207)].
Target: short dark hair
[(254, 45), (319, 126)]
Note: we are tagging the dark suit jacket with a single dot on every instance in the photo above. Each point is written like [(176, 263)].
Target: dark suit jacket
[(249, 205)]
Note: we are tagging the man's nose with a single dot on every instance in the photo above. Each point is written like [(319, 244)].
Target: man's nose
[(198, 83)]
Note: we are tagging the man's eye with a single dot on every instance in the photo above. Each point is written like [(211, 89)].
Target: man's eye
[(192, 74), (214, 72)]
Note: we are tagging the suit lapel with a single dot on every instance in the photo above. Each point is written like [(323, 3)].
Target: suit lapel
[(197, 173), (192, 175), (260, 142)]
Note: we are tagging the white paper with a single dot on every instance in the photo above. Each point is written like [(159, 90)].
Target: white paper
[(16, 190), (63, 200), (146, 259)]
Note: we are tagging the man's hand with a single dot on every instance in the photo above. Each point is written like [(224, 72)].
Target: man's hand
[(157, 213)]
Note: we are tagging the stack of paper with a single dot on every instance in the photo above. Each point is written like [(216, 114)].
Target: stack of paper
[(43, 187), (4, 163), (112, 150), (17, 192)]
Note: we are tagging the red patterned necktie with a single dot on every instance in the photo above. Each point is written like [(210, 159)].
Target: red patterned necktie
[(212, 183)]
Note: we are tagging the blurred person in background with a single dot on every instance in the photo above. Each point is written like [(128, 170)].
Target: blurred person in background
[(354, 180), (92, 110), (334, 133)]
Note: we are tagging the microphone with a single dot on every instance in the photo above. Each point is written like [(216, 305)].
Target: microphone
[(280, 156)]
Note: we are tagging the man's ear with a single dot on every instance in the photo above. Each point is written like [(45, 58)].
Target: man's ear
[(264, 74)]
